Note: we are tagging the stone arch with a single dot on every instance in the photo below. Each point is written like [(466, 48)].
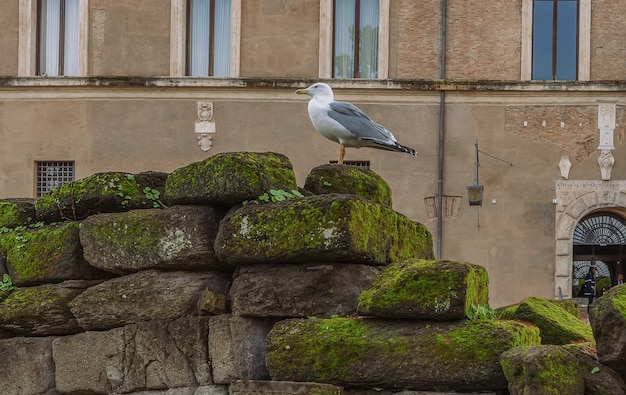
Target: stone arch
[(574, 201)]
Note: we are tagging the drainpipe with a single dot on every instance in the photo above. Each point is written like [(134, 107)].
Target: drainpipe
[(442, 113)]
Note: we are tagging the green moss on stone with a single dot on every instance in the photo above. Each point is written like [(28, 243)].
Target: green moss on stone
[(335, 224), (33, 255), (344, 179), (426, 286), (483, 340), (329, 347), (230, 177), (338, 350), (8, 214), (557, 325), (568, 305), (16, 212), (619, 301), (543, 370), (34, 301)]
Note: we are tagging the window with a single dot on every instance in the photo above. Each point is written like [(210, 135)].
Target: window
[(58, 37), (208, 38), (52, 175), (365, 164), (555, 39), (355, 42), (327, 36)]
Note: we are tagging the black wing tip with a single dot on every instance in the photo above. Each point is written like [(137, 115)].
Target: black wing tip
[(408, 150)]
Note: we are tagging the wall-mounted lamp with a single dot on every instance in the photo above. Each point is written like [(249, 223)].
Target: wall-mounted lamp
[(475, 191)]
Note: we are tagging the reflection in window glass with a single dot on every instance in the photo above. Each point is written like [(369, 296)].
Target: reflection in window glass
[(356, 50), (58, 37), (555, 37), (209, 38)]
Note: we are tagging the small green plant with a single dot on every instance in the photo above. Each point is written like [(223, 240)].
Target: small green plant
[(595, 370), (275, 195), (327, 184), (6, 284), (482, 312), (152, 195)]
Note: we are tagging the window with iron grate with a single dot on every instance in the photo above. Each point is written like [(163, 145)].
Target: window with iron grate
[(51, 175), (356, 163)]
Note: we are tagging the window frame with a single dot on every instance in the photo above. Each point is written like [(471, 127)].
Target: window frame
[(63, 177), (326, 38), (584, 40), (557, 22), (28, 38), (178, 38)]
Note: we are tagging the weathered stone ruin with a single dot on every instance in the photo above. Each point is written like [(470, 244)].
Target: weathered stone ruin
[(224, 277)]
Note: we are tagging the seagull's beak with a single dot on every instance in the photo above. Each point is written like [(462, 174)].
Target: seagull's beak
[(302, 92)]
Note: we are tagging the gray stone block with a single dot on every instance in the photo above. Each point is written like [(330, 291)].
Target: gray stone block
[(237, 348), (27, 366), (301, 290), (156, 356), (144, 296), (180, 237)]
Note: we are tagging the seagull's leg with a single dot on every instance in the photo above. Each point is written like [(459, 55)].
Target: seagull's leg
[(342, 153)]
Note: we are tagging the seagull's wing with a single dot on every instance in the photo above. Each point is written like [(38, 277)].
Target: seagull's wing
[(358, 124)]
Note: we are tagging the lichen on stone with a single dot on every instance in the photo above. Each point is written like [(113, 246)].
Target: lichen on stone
[(426, 289)]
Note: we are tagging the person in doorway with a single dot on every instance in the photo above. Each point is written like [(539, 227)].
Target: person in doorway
[(620, 279), (589, 288)]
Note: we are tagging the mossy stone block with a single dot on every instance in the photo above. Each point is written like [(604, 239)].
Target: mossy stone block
[(322, 228), (101, 193), (50, 253), (460, 355), (230, 178), (335, 178), (424, 289), (557, 325), (16, 212), (179, 237), (547, 369), (42, 310), (607, 316)]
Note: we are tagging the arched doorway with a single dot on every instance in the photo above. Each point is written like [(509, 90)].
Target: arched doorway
[(575, 201), (600, 239)]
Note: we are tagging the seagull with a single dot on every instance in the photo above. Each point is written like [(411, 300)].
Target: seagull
[(346, 124)]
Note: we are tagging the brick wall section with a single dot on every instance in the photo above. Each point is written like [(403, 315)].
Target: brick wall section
[(280, 38), (414, 47), (132, 38), (608, 40), (484, 39), (577, 135)]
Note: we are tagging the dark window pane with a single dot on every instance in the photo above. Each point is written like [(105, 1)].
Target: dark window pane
[(368, 39), (543, 16), (344, 38), (567, 38)]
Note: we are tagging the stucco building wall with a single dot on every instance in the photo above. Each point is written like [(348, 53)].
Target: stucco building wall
[(128, 114)]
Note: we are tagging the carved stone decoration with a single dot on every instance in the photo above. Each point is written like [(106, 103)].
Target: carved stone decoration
[(205, 128), (205, 110), (565, 165), (606, 162), (606, 124)]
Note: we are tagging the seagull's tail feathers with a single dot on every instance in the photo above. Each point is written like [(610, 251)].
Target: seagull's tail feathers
[(394, 147)]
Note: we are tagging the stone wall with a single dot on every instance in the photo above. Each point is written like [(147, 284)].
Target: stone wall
[(222, 277)]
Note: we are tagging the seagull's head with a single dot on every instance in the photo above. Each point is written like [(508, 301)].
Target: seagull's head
[(319, 90)]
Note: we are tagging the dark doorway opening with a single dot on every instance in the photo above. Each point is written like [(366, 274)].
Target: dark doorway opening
[(600, 239)]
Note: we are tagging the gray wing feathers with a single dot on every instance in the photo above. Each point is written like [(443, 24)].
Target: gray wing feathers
[(359, 124)]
